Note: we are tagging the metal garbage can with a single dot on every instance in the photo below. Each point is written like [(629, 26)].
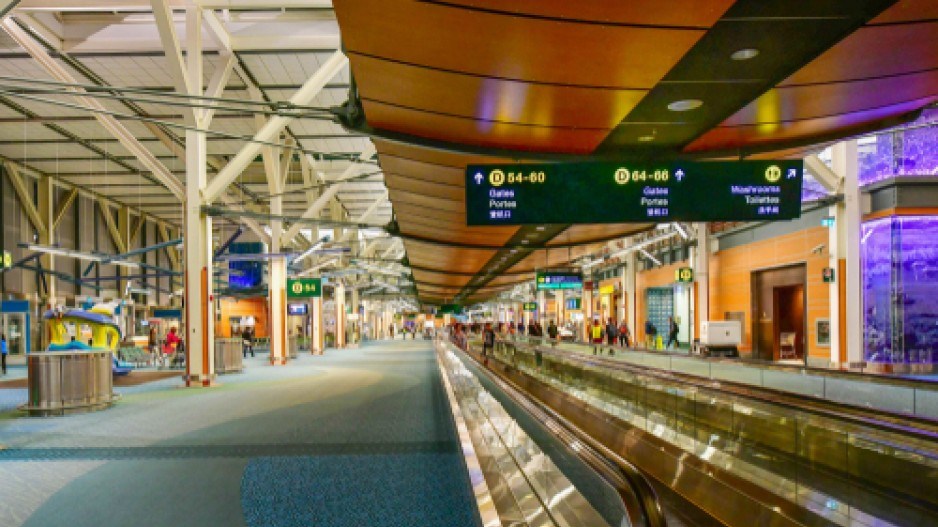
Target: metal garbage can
[(228, 356), (66, 382)]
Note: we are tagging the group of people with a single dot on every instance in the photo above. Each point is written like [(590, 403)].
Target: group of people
[(171, 344), (620, 334)]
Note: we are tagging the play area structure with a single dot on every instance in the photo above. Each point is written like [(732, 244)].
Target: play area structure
[(75, 373)]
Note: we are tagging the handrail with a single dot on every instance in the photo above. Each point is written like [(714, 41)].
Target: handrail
[(639, 497), (857, 415)]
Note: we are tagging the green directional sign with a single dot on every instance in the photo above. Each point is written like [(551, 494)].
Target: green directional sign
[(684, 274), (304, 287), (633, 191), (530, 306), (6, 260), (449, 309), (550, 280)]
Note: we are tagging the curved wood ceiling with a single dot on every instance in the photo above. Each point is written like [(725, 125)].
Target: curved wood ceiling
[(590, 78)]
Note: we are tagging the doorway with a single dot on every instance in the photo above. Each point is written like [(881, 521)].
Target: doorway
[(788, 329), (778, 314)]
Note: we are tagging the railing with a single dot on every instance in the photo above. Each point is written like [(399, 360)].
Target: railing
[(878, 392), (639, 504), (847, 470)]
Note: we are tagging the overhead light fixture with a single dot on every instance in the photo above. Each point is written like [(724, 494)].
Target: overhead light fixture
[(646, 139), (125, 263), (540, 227), (685, 105), (312, 249), (60, 251), (745, 54)]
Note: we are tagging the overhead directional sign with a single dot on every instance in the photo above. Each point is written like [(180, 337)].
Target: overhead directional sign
[(620, 192), (530, 306), (684, 274), (6, 260), (558, 280), (449, 309), (304, 287)]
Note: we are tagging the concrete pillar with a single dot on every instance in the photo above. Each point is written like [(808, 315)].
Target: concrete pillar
[(623, 297), (316, 333), (359, 324), (339, 315), (586, 304), (845, 163), (559, 297), (702, 272), (46, 206), (199, 317), (542, 308), (628, 288)]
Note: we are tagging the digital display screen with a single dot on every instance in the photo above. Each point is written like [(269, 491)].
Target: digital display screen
[(297, 309), (554, 280), (638, 192)]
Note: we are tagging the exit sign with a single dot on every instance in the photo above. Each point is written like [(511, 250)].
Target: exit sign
[(684, 274), (304, 287), (530, 306)]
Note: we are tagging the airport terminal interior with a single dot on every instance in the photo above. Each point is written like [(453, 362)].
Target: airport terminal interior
[(469, 263)]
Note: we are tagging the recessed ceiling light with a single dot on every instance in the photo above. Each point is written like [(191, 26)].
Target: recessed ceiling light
[(525, 242), (540, 227), (685, 105), (646, 138), (745, 54)]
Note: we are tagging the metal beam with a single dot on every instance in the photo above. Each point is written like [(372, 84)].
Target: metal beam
[(829, 179), (170, 252), (167, 30), (63, 206), (112, 226), (26, 200), (123, 135), (274, 126)]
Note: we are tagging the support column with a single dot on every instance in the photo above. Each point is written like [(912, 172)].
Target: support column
[(702, 273), (586, 303), (316, 333), (46, 206), (542, 308), (200, 329), (559, 301), (339, 315), (628, 288), (844, 163), (356, 335)]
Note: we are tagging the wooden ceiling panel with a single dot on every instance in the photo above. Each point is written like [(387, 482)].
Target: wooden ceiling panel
[(589, 232), (872, 52), (425, 188), (492, 99), (421, 171), (687, 13), (511, 47), (491, 134), (908, 10), (779, 136)]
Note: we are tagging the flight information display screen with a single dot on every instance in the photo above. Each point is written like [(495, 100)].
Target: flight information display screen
[(639, 192)]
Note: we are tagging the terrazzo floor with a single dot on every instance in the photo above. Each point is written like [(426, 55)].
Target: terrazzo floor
[(357, 437)]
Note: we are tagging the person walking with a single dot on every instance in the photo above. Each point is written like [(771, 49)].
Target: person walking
[(488, 342), (673, 330), (624, 335), (596, 333), (247, 342), (552, 330), (612, 332), (650, 332), (4, 349)]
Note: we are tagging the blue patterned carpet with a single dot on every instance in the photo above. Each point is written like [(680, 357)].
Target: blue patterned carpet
[(353, 438)]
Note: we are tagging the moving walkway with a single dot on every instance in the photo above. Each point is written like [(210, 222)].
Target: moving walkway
[(745, 455)]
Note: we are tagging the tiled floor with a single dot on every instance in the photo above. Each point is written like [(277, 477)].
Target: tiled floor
[(355, 437)]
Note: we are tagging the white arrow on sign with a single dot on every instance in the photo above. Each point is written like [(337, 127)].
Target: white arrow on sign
[(479, 177)]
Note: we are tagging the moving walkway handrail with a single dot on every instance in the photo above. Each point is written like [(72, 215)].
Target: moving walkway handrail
[(639, 498), (836, 410)]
